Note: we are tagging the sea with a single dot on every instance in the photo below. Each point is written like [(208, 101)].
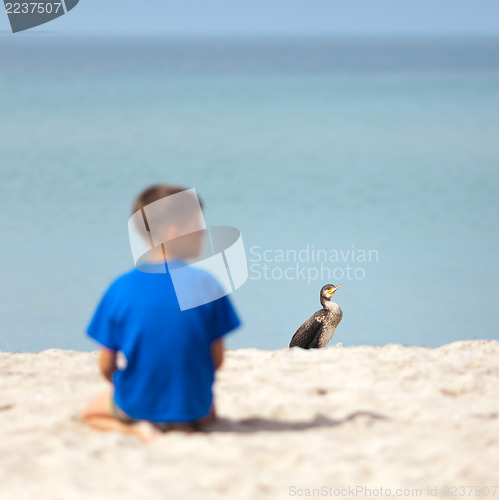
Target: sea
[(367, 162)]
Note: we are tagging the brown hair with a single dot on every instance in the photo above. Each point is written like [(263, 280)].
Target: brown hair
[(155, 193)]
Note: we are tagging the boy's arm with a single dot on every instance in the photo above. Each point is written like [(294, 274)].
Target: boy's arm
[(107, 363), (217, 353)]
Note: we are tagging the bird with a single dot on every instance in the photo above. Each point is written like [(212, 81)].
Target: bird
[(318, 330)]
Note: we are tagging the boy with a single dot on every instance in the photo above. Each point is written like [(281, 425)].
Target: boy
[(171, 354)]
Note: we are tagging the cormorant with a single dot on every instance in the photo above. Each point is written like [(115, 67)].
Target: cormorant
[(318, 330)]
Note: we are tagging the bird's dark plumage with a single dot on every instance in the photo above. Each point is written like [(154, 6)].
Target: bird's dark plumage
[(318, 330)]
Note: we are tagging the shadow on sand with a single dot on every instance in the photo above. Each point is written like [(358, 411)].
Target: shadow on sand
[(258, 424)]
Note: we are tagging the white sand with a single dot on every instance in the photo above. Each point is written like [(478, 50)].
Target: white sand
[(390, 417)]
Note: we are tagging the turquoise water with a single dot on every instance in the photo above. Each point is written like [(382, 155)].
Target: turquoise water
[(387, 146)]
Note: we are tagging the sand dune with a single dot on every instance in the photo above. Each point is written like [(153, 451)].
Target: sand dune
[(291, 421)]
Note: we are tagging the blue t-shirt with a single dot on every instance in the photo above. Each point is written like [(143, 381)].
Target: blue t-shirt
[(169, 373)]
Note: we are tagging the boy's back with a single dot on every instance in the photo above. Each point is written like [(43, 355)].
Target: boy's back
[(169, 372)]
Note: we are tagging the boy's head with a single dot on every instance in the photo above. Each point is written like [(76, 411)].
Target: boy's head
[(172, 217)]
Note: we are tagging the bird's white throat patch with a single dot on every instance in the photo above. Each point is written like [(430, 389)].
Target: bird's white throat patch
[(331, 305)]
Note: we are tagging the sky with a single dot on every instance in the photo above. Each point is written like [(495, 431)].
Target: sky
[(277, 17)]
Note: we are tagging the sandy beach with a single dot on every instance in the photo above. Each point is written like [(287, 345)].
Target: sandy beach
[(293, 424)]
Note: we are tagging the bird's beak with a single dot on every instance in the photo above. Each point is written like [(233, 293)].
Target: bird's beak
[(331, 292)]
